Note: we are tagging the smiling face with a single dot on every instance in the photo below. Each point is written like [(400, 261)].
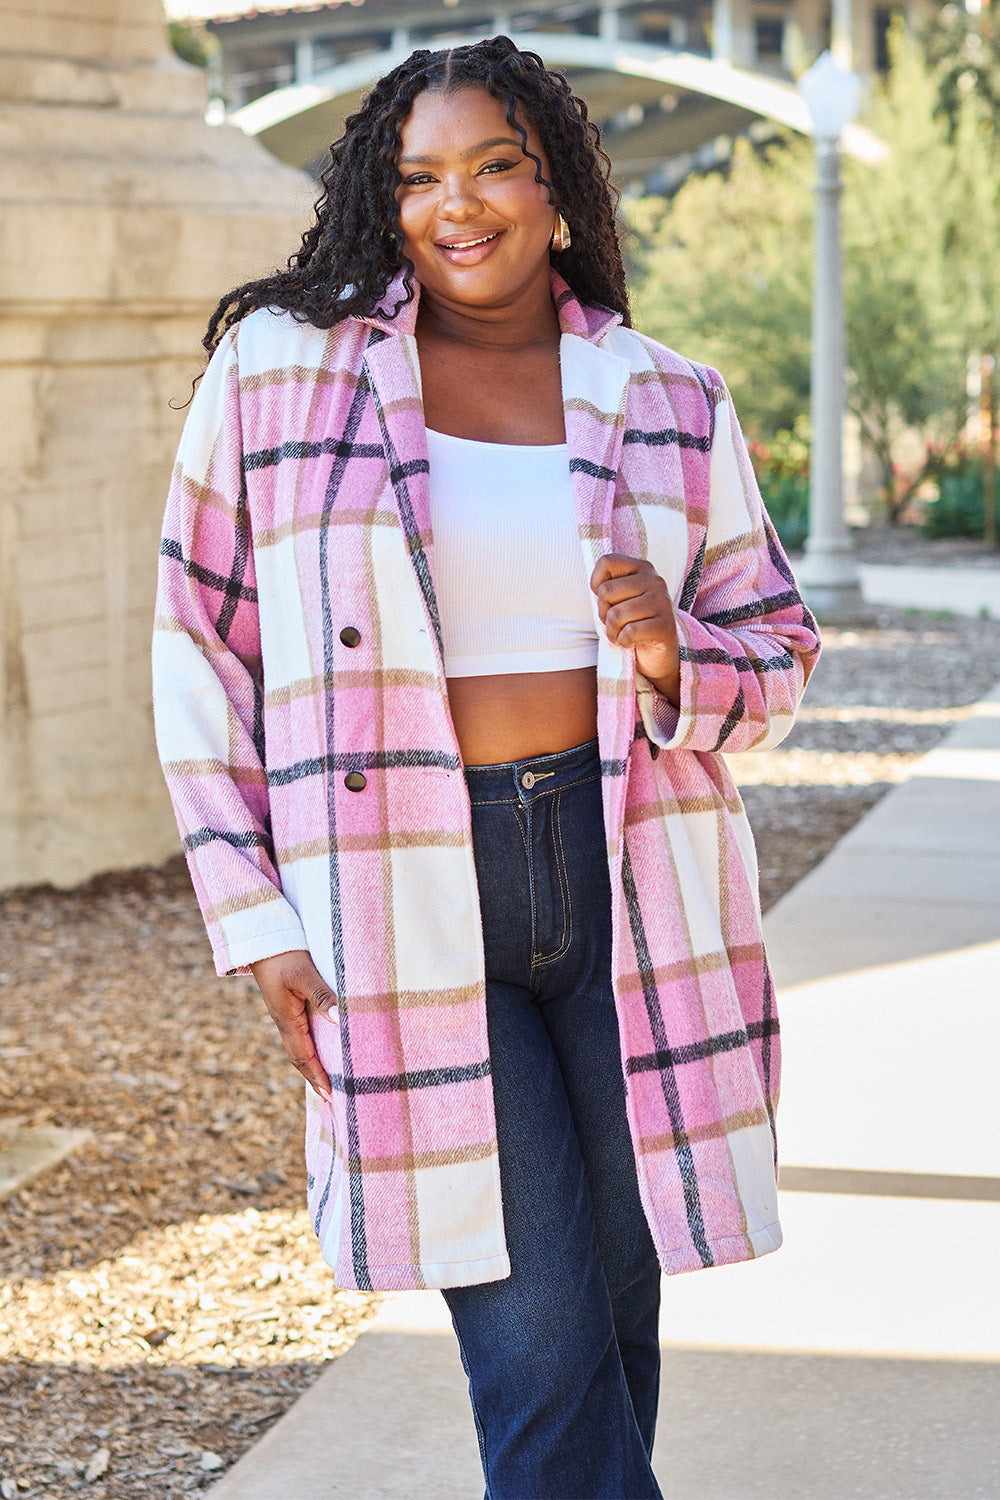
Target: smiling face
[(477, 225)]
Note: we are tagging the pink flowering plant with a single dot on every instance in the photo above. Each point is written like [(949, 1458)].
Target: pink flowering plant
[(782, 467)]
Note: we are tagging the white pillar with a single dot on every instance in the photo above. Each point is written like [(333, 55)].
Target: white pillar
[(828, 572), (842, 34), (733, 36), (722, 30), (104, 328), (304, 59), (608, 28)]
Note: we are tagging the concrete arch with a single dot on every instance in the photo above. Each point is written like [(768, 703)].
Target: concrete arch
[(290, 121)]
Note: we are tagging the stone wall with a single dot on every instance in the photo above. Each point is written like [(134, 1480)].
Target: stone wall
[(123, 216)]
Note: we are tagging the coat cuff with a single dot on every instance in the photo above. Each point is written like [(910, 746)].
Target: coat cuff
[(666, 724), (254, 938)]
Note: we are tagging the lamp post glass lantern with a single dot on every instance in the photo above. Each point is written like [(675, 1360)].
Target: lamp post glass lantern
[(828, 572)]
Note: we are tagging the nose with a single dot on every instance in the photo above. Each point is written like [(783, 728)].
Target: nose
[(459, 197)]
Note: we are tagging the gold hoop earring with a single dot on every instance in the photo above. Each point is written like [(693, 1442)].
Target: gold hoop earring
[(561, 237)]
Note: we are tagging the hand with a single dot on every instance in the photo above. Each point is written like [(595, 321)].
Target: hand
[(637, 612), (292, 986)]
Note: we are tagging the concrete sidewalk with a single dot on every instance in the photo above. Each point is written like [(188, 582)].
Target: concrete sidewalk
[(964, 591), (862, 1362)]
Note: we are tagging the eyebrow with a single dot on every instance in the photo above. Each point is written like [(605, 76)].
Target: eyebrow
[(497, 140)]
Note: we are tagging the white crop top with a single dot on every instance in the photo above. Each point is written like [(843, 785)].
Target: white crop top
[(512, 584)]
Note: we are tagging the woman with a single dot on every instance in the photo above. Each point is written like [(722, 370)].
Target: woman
[(464, 585)]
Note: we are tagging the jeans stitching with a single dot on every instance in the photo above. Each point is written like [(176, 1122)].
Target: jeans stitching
[(567, 786), (567, 902), (527, 854), (567, 893), (520, 830)]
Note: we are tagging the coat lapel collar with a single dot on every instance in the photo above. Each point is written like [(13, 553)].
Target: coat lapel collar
[(595, 389), (393, 370)]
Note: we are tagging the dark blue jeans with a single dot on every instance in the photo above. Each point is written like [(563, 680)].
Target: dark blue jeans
[(562, 1356)]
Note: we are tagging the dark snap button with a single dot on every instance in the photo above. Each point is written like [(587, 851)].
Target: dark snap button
[(355, 781), (350, 636)]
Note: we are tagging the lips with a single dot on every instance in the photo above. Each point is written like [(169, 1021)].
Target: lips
[(469, 249)]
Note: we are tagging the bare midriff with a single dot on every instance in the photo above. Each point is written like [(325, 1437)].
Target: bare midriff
[(519, 716)]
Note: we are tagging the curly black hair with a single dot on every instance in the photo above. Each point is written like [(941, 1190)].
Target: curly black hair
[(354, 249)]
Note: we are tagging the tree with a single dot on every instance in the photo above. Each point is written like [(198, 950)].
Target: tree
[(963, 48), (724, 271), (903, 267)]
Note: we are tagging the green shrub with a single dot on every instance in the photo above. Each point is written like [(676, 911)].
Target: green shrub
[(959, 507), (781, 464), (786, 497), (192, 44)]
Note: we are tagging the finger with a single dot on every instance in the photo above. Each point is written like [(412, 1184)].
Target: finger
[(648, 595), (301, 1050), (621, 586), (290, 1014), (614, 565), (628, 587), (304, 979), (641, 607), (646, 632), (318, 996)]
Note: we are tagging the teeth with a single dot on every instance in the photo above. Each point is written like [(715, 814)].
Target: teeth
[(468, 244)]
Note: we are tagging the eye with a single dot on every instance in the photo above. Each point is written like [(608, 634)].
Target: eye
[(497, 166), (418, 179)]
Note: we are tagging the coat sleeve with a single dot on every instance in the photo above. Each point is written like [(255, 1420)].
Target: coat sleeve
[(208, 695), (747, 641)]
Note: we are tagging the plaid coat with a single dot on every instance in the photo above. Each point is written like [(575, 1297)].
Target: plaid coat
[(302, 720)]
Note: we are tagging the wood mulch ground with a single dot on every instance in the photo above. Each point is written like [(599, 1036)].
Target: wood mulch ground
[(162, 1300), (909, 545)]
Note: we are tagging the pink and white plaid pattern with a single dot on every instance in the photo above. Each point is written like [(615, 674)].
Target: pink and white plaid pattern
[(297, 641)]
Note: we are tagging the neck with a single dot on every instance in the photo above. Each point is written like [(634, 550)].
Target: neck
[(528, 322)]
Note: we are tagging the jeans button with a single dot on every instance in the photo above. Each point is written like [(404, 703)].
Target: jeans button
[(528, 780)]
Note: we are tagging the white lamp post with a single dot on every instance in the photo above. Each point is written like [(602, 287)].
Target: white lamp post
[(828, 572)]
